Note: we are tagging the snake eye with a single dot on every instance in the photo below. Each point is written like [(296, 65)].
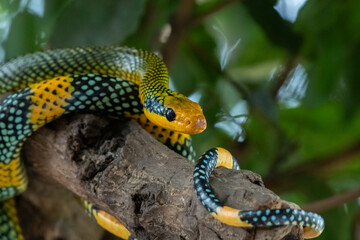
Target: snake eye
[(170, 114)]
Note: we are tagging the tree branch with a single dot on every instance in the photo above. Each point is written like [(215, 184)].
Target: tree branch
[(182, 21), (207, 59), (202, 16), (122, 169), (313, 166), (179, 27), (290, 64), (334, 201)]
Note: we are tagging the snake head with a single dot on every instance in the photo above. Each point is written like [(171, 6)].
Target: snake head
[(176, 112)]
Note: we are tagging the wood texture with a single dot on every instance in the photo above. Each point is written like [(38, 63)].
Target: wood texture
[(122, 169)]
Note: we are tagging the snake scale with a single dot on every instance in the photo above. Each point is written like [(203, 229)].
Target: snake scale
[(121, 82)]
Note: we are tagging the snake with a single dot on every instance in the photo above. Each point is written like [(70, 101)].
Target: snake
[(119, 82)]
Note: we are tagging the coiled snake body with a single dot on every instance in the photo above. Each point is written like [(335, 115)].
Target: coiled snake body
[(118, 81)]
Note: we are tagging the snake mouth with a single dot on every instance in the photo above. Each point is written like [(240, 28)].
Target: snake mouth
[(196, 124)]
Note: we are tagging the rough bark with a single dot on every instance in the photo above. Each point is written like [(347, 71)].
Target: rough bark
[(121, 168)]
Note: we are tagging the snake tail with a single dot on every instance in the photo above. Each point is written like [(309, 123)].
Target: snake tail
[(313, 223), (107, 221)]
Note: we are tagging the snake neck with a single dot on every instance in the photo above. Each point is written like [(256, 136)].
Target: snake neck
[(155, 79), (141, 67)]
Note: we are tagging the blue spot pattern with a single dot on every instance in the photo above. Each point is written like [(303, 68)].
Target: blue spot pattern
[(205, 165), (203, 169), (102, 93), (259, 218), (283, 217), (14, 129)]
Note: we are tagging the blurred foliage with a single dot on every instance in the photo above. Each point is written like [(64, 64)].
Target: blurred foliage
[(304, 139)]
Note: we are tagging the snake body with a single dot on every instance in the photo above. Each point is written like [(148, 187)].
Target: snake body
[(218, 157), (118, 81)]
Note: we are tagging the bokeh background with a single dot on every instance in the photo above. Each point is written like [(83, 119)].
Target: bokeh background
[(277, 80)]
